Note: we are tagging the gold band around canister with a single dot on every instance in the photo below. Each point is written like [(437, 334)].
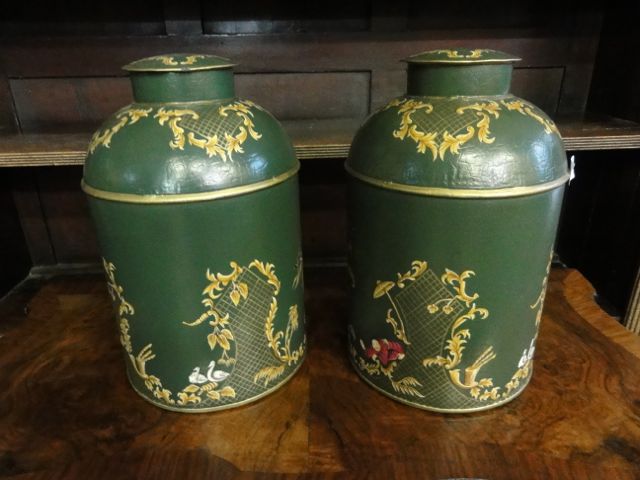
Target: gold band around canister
[(461, 192), (188, 197)]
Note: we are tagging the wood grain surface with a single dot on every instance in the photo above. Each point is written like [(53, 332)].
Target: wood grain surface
[(66, 410)]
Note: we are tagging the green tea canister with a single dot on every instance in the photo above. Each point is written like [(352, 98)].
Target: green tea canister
[(194, 195), (454, 197)]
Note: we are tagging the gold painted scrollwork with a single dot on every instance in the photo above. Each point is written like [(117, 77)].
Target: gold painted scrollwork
[(439, 142), (382, 358), (539, 303), (448, 299), (170, 61), (222, 144), (171, 118), (220, 339), (383, 355), (383, 288), (479, 388), (527, 109), (476, 53), (139, 361), (280, 344), (228, 138), (298, 278), (125, 117)]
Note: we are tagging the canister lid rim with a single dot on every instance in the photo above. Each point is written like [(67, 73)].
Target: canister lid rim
[(188, 197), (462, 56), (179, 62), (505, 192)]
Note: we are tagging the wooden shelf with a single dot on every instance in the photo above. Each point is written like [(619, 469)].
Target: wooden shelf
[(67, 410), (312, 139)]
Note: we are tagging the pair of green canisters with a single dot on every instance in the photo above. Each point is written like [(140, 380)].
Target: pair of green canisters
[(455, 191)]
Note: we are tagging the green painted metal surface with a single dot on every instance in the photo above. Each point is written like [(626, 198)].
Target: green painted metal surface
[(447, 291), (208, 293)]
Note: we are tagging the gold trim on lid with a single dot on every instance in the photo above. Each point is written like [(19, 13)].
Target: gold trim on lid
[(188, 197), (461, 192), (462, 56), (179, 62)]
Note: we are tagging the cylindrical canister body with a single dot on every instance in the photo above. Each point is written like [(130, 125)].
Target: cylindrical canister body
[(454, 200), (195, 198)]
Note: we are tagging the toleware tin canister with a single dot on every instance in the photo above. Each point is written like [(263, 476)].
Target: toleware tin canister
[(455, 193), (194, 195)]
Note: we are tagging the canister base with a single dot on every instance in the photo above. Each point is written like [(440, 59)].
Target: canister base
[(442, 410), (223, 407)]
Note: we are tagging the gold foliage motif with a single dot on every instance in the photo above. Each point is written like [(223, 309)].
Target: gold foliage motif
[(220, 284), (191, 394), (484, 110), (479, 388), (539, 303), (280, 345), (298, 278), (222, 144), (379, 364), (476, 53), (408, 129), (417, 268), (383, 355), (238, 291), (268, 374), (407, 386), (227, 139), (172, 118), (521, 374), (527, 109), (458, 338), (125, 117), (457, 308), (170, 61), (383, 288), (220, 339), (139, 361), (441, 141), (268, 270)]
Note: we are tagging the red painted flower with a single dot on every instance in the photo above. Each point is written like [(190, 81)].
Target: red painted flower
[(384, 350)]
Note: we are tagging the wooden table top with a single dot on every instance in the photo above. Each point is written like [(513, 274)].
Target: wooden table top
[(66, 410)]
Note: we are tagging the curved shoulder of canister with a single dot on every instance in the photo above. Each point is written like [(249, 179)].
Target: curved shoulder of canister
[(459, 143), (168, 149)]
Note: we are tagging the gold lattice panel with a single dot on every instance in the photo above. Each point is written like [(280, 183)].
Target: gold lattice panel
[(247, 324), (428, 333), (211, 123), (444, 118)]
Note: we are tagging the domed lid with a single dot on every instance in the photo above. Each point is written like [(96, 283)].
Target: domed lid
[(170, 153), (186, 138), (462, 56), (179, 62), (473, 146)]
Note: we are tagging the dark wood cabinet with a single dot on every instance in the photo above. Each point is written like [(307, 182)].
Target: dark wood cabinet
[(321, 68)]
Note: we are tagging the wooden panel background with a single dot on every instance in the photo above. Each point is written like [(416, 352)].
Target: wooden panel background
[(599, 230), (334, 61)]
